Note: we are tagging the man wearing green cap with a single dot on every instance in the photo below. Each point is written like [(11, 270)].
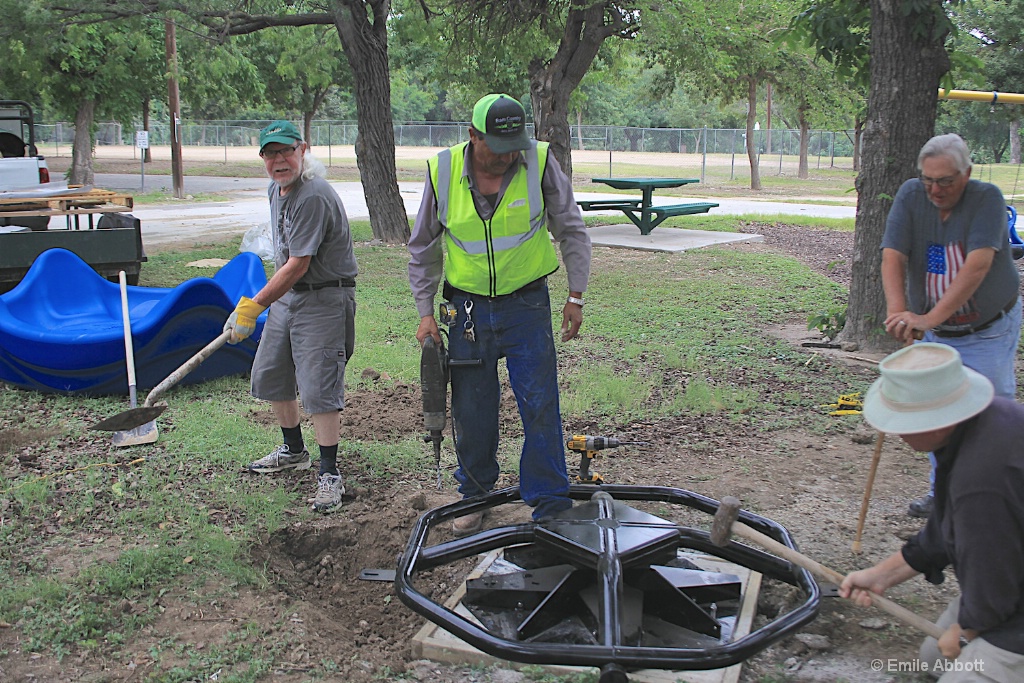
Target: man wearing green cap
[(310, 330), (494, 203), (927, 396)]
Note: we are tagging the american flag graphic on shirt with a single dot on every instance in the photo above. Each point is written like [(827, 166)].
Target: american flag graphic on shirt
[(944, 262)]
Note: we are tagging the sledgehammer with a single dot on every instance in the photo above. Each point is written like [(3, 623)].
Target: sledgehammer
[(725, 524)]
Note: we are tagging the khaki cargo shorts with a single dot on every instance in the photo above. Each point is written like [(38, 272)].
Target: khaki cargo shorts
[(306, 342)]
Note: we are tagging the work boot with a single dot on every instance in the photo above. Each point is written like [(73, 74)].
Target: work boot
[(468, 524), (329, 491), (281, 458), (921, 507)]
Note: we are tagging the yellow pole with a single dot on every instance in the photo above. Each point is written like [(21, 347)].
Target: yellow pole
[(981, 96)]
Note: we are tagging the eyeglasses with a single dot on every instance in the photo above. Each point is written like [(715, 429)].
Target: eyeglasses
[(941, 182), (284, 152)]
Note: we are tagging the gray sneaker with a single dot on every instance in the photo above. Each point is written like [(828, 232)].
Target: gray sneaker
[(280, 459), (329, 491)]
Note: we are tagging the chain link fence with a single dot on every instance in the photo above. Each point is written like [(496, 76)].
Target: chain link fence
[(710, 153), (445, 134)]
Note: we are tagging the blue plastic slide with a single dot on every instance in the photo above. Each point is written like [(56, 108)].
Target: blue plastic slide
[(61, 328)]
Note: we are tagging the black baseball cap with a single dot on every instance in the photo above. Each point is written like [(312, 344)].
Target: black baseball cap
[(501, 120)]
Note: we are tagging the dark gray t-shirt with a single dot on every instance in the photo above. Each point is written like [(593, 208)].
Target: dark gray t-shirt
[(937, 249), (310, 221), (978, 523)]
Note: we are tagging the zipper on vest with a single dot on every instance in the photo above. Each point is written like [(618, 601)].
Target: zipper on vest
[(492, 274)]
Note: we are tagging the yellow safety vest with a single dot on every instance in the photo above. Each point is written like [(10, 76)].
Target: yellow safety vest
[(500, 255)]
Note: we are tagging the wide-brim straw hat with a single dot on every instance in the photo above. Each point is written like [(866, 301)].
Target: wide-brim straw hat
[(925, 387)]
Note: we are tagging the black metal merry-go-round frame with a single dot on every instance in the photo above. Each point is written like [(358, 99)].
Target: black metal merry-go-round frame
[(616, 550)]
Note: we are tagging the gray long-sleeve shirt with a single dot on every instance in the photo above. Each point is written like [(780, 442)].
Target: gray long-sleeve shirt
[(564, 220)]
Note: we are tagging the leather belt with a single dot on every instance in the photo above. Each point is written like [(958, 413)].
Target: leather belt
[(313, 286), (984, 326), (449, 291)]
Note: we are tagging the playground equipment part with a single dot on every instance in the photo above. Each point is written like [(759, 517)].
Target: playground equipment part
[(61, 328), (603, 584)]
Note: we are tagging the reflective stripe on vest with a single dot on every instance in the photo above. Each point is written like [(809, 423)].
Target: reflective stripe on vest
[(499, 255)]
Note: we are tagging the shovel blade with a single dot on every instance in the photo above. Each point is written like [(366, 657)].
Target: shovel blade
[(130, 419), (147, 433)]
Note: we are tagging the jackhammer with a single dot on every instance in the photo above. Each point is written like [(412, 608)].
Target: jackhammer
[(434, 387), (434, 375)]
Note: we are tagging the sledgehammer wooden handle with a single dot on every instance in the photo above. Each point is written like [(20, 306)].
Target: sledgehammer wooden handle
[(801, 560)]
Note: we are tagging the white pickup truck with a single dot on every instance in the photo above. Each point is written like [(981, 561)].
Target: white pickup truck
[(21, 165)]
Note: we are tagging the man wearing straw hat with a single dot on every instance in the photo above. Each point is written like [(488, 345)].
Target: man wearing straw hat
[(934, 403)]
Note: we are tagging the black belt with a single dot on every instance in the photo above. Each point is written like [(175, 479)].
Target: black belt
[(984, 326), (449, 291), (313, 286)]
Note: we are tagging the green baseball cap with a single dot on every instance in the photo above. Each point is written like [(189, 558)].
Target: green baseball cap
[(501, 120), (280, 131)]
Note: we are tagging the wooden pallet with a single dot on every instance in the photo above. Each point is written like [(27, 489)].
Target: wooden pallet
[(91, 201)]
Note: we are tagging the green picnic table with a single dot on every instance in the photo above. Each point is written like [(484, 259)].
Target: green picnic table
[(644, 214)]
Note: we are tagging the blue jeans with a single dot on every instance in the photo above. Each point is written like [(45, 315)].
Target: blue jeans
[(517, 328), (991, 352)]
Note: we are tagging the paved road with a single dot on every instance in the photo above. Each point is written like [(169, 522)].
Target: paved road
[(247, 206)]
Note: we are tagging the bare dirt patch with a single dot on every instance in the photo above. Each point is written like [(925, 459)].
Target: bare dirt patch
[(318, 610)]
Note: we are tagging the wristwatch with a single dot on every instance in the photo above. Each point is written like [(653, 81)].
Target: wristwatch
[(576, 300)]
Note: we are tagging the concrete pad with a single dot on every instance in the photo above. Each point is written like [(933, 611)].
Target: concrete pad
[(663, 239), (434, 643)]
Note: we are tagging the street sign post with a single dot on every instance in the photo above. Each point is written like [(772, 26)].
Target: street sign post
[(142, 142)]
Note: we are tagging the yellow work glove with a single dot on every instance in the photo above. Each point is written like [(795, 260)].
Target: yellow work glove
[(242, 321)]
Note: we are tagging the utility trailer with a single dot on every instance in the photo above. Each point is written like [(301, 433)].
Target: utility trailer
[(96, 224)]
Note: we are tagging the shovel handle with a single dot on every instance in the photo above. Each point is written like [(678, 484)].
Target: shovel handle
[(187, 367), (129, 352)]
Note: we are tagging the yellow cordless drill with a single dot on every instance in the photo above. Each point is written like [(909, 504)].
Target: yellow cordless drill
[(587, 447)]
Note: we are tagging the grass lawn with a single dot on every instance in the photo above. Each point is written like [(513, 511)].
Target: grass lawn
[(95, 543)]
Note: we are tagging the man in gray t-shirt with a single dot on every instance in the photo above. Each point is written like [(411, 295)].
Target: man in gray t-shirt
[(310, 331), (947, 270)]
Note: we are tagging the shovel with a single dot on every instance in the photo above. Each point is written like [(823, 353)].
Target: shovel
[(148, 412), (146, 433)]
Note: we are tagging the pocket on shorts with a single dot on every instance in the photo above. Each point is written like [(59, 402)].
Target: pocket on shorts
[(333, 371)]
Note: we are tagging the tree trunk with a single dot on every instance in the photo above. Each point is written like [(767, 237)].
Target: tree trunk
[(316, 98), (174, 107), (549, 93), (552, 83), (307, 126), (755, 171), (858, 140), (907, 61), (634, 135), (1015, 141), (579, 128), (362, 27), (805, 138), (81, 153)]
